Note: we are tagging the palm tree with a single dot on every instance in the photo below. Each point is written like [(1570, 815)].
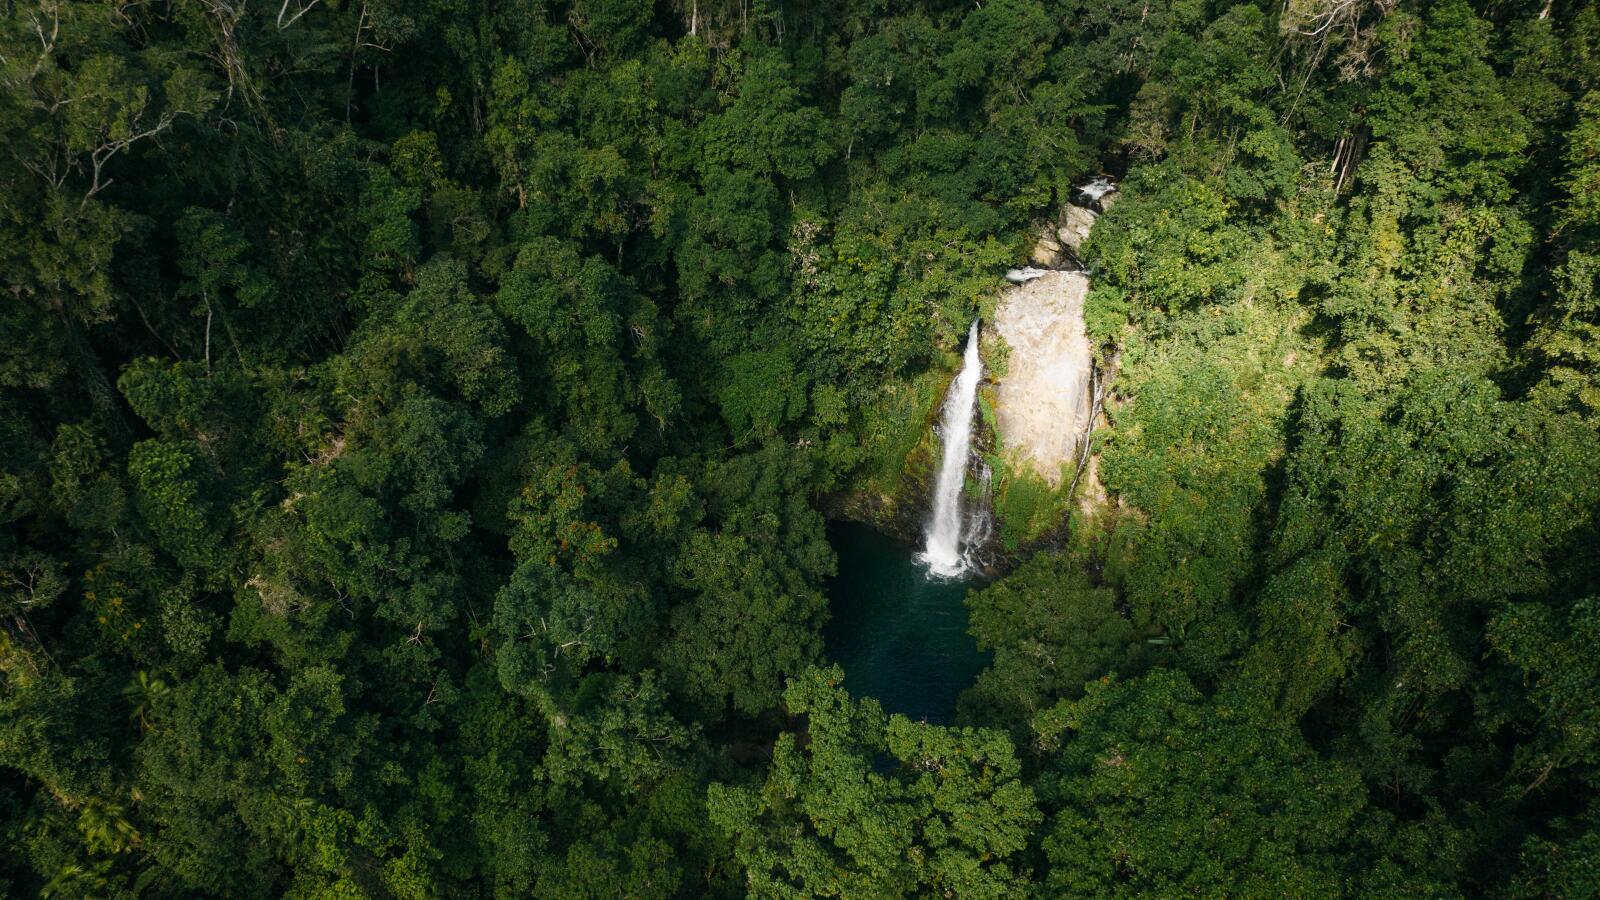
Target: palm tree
[(143, 692), (74, 880), (106, 828)]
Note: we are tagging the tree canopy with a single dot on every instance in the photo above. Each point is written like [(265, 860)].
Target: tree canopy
[(417, 423)]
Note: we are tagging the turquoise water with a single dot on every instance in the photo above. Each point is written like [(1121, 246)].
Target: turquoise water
[(900, 637)]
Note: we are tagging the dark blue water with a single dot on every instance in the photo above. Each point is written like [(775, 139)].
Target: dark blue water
[(900, 637)]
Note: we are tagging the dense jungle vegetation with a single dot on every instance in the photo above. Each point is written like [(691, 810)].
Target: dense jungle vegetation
[(415, 416)]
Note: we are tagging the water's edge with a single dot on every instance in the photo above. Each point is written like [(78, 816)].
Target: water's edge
[(900, 637)]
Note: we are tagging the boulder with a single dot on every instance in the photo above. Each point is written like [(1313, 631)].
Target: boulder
[(1075, 224), (1047, 250)]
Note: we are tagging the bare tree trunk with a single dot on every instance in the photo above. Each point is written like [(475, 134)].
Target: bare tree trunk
[(1097, 394), (208, 335), (102, 396), (1352, 157), (151, 328)]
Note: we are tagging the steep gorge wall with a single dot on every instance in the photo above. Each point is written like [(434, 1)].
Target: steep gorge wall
[(1041, 392), (1042, 401)]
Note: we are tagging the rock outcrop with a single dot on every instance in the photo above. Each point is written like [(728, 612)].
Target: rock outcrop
[(1075, 224), (1047, 250), (1042, 401)]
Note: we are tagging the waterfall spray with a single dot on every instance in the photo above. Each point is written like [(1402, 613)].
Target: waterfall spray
[(943, 553)]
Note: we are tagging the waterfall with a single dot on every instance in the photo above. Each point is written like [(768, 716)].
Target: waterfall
[(942, 553), (1098, 187)]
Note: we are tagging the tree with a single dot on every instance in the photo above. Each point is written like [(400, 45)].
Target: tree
[(948, 813), (1052, 631), (753, 615), (1155, 788)]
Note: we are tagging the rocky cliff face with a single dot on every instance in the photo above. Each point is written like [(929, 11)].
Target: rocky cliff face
[(1074, 228), (1056, 244), (1042, 402)]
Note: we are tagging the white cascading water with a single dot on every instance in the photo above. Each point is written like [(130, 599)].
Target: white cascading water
[(942, 553), (1098, 187)]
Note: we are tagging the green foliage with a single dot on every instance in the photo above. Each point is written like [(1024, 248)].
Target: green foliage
[(1201, 481), (1162, 790), (944, 812), (410, 474), (752, 620), (1025, 505), (1052, 631), (763, 393), (896, 433), (170, 499)]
